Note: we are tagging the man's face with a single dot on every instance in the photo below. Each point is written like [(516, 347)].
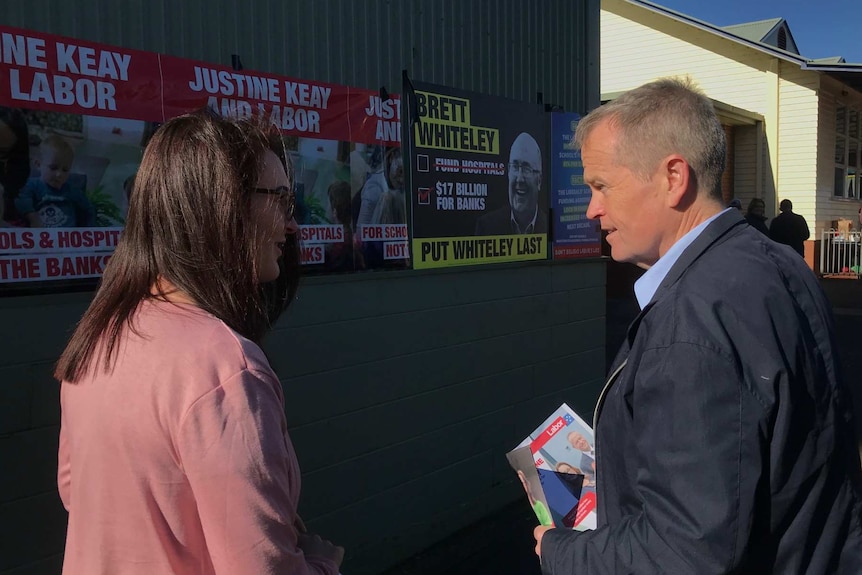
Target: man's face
[(578, 441), (629, 208), (525, 176)]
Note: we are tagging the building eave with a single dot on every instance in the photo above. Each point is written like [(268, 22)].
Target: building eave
[(720, 32)]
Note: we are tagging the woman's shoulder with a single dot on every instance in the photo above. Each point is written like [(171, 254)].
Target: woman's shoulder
[(199, 340)]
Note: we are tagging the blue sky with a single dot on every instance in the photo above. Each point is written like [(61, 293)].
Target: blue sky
[(821, 28)]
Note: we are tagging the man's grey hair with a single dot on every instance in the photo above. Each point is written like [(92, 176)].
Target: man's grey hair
[(667, 116)]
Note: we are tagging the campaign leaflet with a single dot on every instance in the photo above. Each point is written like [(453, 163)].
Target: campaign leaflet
[(563, 452)]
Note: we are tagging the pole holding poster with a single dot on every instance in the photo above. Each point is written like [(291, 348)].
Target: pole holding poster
[(479, 179), (574, 235)]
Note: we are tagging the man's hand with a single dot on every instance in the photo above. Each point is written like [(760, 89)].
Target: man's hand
[(538, 533)]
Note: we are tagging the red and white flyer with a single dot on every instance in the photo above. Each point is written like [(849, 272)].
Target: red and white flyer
[(564, 445)]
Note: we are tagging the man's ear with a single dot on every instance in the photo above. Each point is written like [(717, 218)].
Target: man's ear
[(677, 177)]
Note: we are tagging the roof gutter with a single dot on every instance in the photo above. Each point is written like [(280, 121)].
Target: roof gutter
[(706, 27), (834, 70), (846, 67)]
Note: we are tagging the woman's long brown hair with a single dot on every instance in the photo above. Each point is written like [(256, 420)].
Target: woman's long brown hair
[(190, 223)]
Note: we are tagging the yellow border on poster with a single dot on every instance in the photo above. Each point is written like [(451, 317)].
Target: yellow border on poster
[(473, 250)]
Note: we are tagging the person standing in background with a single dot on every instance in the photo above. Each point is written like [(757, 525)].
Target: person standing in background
[(755, 216), (789, 228)]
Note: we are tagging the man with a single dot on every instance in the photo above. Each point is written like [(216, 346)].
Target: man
[(587, 461), (723, 441), (789, 228), (522, 215)]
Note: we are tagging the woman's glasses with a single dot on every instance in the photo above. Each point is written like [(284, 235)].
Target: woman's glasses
[(286, 199)]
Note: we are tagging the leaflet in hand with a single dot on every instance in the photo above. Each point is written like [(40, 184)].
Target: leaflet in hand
[(562, 488)]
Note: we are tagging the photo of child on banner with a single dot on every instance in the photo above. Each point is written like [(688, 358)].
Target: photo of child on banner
[(64, 180), (480, 168)]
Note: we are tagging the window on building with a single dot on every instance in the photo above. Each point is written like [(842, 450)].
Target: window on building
[(848, 147), (782, 38)]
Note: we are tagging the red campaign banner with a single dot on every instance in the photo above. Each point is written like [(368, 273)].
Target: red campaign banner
[(396, 250), (382, 232), (56, 74), (25, 268), (54, 240), (321, 234), (298, 107), (547, 434), (48, 72), (311, 254), (373, 120)]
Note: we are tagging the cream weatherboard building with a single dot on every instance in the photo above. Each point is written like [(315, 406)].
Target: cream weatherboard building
[(793, 124)]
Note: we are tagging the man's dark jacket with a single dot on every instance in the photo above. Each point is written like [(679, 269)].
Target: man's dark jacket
[(790, 229), (724, 440)]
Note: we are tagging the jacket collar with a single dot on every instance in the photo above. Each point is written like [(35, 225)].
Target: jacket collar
[(713, 232)]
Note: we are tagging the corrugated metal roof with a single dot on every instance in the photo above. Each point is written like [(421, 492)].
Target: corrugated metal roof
[(507, 48), (832, 60), (754, 31)]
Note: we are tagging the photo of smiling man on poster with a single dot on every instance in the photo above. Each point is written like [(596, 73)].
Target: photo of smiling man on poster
[(522, 215)]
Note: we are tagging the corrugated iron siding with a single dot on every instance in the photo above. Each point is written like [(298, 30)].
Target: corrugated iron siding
[(510, 48)]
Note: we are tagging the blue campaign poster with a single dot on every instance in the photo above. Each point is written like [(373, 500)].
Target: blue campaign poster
[(574, 235)]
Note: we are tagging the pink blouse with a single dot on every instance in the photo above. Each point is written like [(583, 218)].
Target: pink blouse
[(178, 461)]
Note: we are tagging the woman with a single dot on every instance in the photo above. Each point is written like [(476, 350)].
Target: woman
[(755, 216), (174, 456)]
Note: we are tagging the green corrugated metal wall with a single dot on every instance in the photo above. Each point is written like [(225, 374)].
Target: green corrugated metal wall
[(510, 48)]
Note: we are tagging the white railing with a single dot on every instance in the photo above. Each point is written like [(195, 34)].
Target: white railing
[(841, 253)]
